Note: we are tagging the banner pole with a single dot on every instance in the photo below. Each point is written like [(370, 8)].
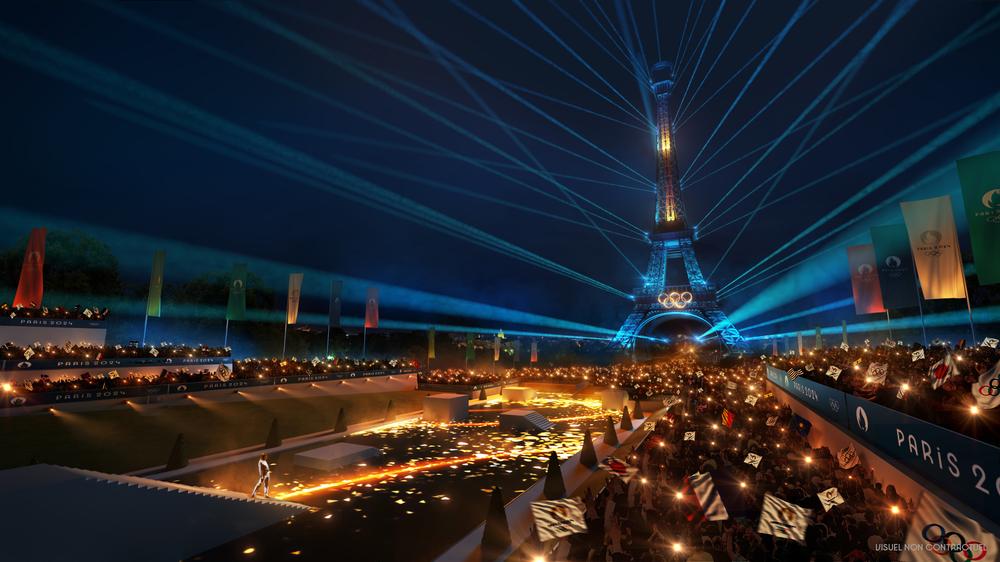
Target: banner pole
[(920, 305), (284, 340), (888, 322), (364, 343), (328, 330), (968, 303), (145, 323), (225, 338)]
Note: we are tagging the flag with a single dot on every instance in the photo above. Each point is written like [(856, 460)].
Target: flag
[(774, 347), (980, 179), (847, 457), (801, 425), (809, 368), (753, 459), (223, 373), (710, 506), (689, 436), (942, 371), (801, 349), (155, 284), (496, 348), (934, 243), (819, 338), (671, 401), (782, 519), (864, 279), (834, 372), (829, 498), (534, 351), (336, 288), (619, 468), (917, 355), (470, 348), (294, 296), (728, 418), (371, 308), (29, 286), (731, 385), (236, 308), (558, 518), (877, 373), (752, 400), (430, 344), (948, 532), (895, 266), (987, 390), (990, 342), (844, 346), (795, 372), (771, 421)]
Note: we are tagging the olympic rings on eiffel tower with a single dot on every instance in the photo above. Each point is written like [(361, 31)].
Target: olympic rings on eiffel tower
[(675, 299)]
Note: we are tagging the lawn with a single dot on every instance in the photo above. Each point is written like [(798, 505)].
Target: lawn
[(124, 440)]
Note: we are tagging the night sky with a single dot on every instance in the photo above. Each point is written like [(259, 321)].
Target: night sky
[(76, 157)]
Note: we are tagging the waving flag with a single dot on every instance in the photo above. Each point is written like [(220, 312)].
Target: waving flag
[(934, 243), (943, 528), (987, 390), (619, 468), (847, 457), (728, 418), (689, 436), (830, 498), (990, 342), (29, 286), (371, 308), (877, 373), (795, 373), (709, 502), (753, 459), (558, 518), (942, 371), (294, 296), (783, 519), (917, 355), (834, 372)]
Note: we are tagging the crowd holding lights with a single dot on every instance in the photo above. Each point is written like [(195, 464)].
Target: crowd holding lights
[(56, 313)]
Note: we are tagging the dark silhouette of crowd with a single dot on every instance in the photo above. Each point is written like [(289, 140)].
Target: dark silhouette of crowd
[(75, 313)]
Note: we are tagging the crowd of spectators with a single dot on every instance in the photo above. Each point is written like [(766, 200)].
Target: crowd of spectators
[(76, 313), (654, 516), (88, 352)]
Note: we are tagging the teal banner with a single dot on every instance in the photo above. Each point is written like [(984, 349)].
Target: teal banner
[(895, 266)]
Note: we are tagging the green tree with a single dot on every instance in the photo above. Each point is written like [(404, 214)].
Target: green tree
[(75, 263)]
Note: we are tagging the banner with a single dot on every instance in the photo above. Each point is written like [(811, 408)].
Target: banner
[(294, 296), (430, 344), (940, 533), (962, 466), (980, 178), (801, 348), (371, 308), (29, 286), (843, 333), (534, 351), (496, 348), (783, 519), (470, 348), (236, 309), (821, 399), (864, 279), (336, 287), (819, 339), (930, 227), (895, 266)]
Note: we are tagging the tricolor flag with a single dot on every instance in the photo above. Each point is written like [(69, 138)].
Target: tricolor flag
[(917, 355), (980, 179), (709, 503), (619, 468), (829, 498), (950, 534), (934, 244), (236, 308), (987, 390), (847, 457), (155, 284), (864, 279), (333, 318), (294, 296), (558, 518), (783, 519), (430, 344), (29, 286), (753, 459), (942, 371), (727, 418), (371, 308)]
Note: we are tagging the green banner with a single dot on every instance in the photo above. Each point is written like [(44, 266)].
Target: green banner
[(894, 264), (431, 353), (156, 284), (980, 178), (470, 349), (237, 307)]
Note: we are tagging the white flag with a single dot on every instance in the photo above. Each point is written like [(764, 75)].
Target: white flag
[(771, 421), (810, 368), (844, 346), (876, 373), (830, 498), (28, 354), (847, 458), (558, 518), (782, 519), (868, 342), (223, 373), (833, 372), (938, 525), (942, 371), (699, 374), (731, 385), (991, 342), (153, 351), (917, 355), (987, 390), (689, 436), (709, 500), (752, 400), (753, 459)]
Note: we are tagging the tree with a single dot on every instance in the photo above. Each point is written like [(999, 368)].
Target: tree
[(76, 263)]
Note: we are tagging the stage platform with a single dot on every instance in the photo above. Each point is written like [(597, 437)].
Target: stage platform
[(519, 393), (334, 456), (56, 513), (446, 407), (524, 420)]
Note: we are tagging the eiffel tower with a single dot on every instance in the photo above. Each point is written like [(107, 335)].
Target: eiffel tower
[(689, 295)]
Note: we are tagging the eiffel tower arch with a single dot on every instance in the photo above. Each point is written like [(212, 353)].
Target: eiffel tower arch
[(674, 286)]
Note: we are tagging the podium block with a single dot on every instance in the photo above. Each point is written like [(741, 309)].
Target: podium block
[(519, 393), (335, 456), (446, 407), (613, 399)]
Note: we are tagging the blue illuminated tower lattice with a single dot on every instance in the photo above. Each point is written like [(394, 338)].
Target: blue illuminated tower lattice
[(688, 294)]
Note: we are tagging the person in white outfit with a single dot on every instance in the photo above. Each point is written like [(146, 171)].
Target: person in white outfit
[(264, 476)]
